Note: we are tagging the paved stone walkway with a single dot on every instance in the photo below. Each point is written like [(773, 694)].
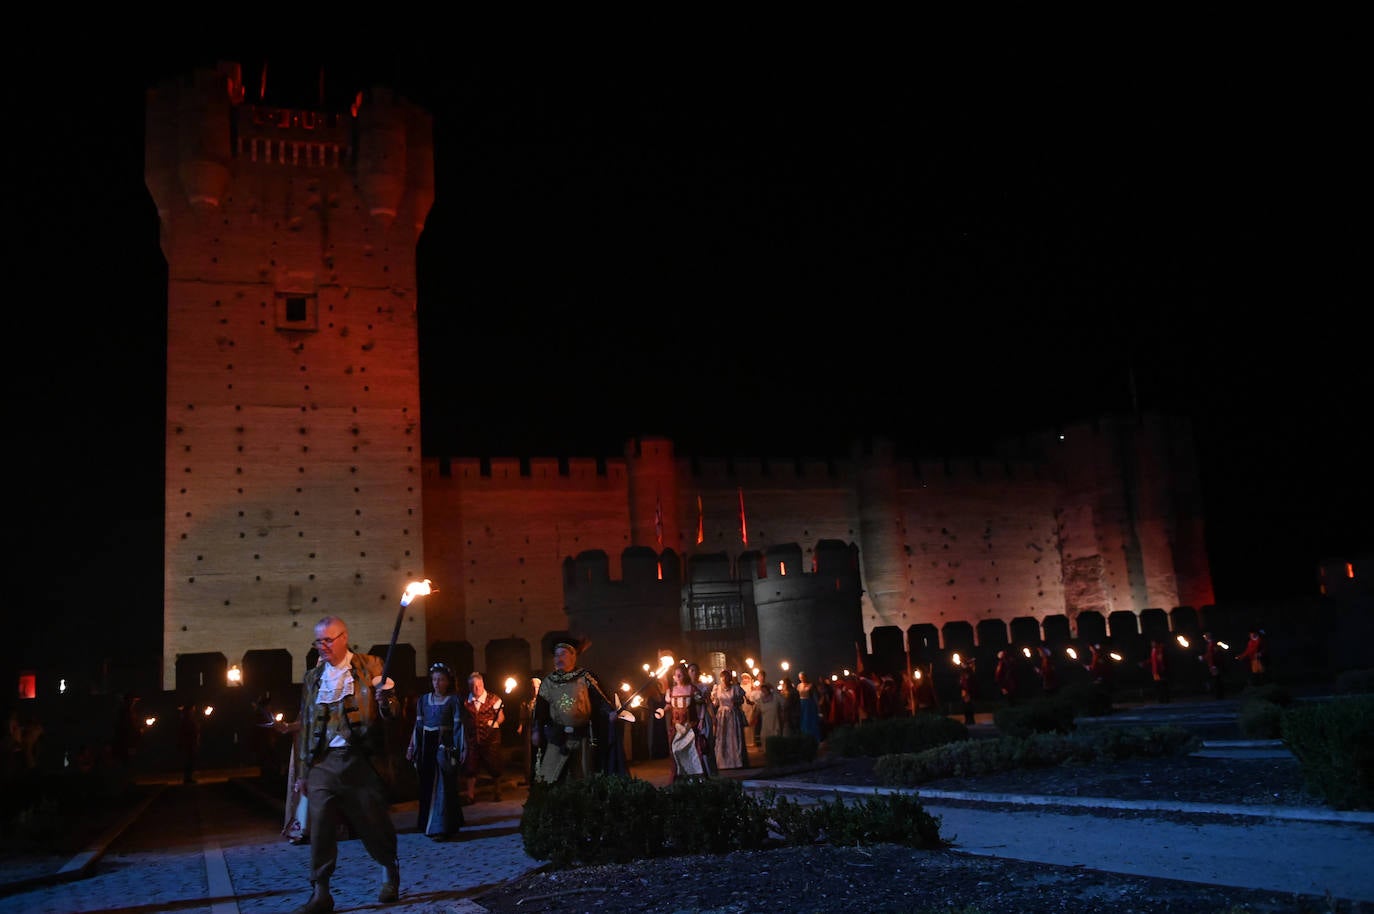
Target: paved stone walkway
[(204, 869), (265, 874)]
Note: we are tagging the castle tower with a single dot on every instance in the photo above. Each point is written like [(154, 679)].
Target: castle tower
[(293, 436), (883, 535), (652, 475), (809, 617)]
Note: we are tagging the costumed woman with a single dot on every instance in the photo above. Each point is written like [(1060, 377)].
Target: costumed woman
[(296, 824), (810, 708), (679, 719), (727, 698), (438, 751), (705, 717)]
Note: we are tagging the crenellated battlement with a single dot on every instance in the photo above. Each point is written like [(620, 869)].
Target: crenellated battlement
[(499, 472), (286, 136), (296, 123), (788, 472), (725, 473)]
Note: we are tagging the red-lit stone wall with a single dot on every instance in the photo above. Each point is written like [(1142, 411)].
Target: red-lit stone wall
[(293, 439), (295, 485)]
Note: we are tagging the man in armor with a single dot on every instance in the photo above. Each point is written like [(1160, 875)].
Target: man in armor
[(574, 733)]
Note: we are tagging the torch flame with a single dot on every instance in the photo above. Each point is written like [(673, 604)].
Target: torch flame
[(416, 589), (1182, 641), (958, 661), (1223, 645), (511, 683), (1073, 654), (1025, 651), (1115, 656)]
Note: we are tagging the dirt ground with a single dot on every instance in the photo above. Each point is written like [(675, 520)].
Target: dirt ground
[(890, 878)]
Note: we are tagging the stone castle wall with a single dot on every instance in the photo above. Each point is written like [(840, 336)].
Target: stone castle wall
[(295, 484), (994, 539)]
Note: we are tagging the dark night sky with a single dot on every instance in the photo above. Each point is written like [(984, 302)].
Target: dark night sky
[(767, 254)]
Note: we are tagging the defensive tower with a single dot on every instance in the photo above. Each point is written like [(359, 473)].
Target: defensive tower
[(293, 438)]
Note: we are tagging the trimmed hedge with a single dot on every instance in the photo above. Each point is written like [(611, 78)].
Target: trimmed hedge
[(615, 819), (896, 734), (1039, 750), (1334, 744), (1052, 713)]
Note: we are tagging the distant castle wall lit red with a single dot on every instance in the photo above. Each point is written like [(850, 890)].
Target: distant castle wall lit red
[(295, 486)]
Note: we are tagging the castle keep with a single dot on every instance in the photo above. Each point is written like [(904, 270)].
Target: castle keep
[(293, 439), (295, 486)]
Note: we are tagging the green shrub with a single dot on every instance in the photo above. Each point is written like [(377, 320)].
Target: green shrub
[(1334, 744), (975, 757), (711, 815), (1041, 715), (794, 822), (892, 818), (1259, 719), (613, 819), (876, 738), (969, 758), (1113, 743), (600, 819), (1085, 699)]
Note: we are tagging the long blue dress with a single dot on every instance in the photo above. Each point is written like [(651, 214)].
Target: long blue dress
[(441, 810), (810, 711)]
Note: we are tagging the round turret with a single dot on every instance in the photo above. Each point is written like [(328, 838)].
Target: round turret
[(382, 155)]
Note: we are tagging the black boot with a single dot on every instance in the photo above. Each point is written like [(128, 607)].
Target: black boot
[(391, 884), (321, 902)]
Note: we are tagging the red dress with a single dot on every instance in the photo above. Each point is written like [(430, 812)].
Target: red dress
[(1004, 678)]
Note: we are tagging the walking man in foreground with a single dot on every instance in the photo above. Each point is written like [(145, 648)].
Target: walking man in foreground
[(344, 706)]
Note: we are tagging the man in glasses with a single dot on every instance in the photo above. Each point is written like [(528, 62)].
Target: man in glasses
[(344, 705)]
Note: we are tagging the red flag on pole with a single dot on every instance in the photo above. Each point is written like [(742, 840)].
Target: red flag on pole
[(743, 527), (701, 525)]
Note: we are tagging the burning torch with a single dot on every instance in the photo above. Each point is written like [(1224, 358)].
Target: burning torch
[(413, 589), (664, 664)]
